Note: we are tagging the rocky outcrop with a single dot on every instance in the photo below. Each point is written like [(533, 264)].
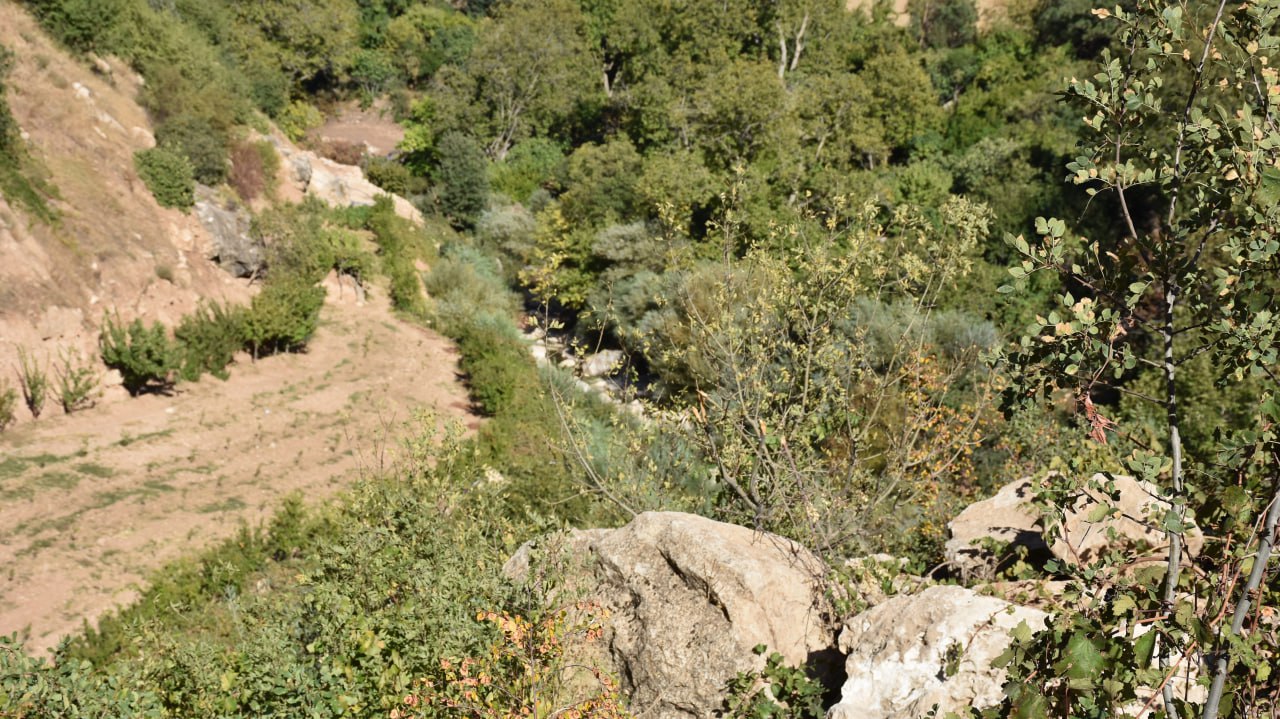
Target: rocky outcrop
[(935, 647), (1134, 521), (690, 598), (232, 247), (337, 184), (1089, 528), (982, 534)]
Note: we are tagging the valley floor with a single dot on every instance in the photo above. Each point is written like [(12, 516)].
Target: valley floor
[(91, 503)]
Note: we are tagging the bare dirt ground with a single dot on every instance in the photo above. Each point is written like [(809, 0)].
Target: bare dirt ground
[(373, 127), (91, 503)]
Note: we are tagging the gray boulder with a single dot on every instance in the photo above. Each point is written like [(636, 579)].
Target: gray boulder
[(232, 247), (935, 647)]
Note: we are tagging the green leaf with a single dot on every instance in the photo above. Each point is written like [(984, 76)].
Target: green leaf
[(1083, 661), (1144, 648)]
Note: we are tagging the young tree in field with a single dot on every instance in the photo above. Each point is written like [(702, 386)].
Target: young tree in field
[(1185, 120)]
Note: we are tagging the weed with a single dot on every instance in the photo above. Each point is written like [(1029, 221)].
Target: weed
[(77, 383), (34, 380)]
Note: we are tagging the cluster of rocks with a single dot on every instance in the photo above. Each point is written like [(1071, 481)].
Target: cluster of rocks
[(689, 598), (599, 373)]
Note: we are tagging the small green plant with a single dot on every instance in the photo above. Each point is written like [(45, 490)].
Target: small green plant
[(165, 272), (77, 387), (168, 175), (34, 380), (777, 690), (145, 356), (208, 340), (8, 405)]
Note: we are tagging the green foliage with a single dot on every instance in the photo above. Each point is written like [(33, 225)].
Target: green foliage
[(145, 356), (944, 23), (168, 175), (80, 24), (299, 118), (777, 690), (283, 316), (77, 387), (198, 140), (462, 175), (1187, 268), (20, 181), (400, 244), (530, 165), (8, 405), (208, 340), (390, 175), (31, 687), (33, 378)]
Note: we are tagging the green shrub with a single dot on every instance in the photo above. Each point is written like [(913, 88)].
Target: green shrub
[(208, 340), (168, 175), (463, 178), (145, 356), (283, 316), (531, 164), (8, 405), (390, 175), (77, 383), (33, 377), (498, 365), (298, 119), (198, 140)]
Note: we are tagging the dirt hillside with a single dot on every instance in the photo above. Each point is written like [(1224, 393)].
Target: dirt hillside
[(92, 503), (113, 246)]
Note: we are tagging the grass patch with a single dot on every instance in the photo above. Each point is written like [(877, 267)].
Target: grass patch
[(230, 504), (95, 470), (57, 480)]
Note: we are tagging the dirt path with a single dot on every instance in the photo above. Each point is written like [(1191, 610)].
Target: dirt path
[(90, 503), (373, 128)]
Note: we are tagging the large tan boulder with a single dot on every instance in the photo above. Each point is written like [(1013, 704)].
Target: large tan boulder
[(1135, 522), (935, 647), (982, 537), (689, 598), (1089, 528)]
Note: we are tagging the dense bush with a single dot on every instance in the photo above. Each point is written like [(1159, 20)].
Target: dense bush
[(168, 175), (283, 316), (208, 340), (145, 356), (197, 139)]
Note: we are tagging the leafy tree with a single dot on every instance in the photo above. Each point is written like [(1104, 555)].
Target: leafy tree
[(309, 40), (462, 175), (944, 23), (427, 37), (1189, 268), (197, 139), (534, 71), (601, 183)]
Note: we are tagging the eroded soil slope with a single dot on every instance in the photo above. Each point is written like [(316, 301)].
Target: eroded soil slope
[(92, 502)]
